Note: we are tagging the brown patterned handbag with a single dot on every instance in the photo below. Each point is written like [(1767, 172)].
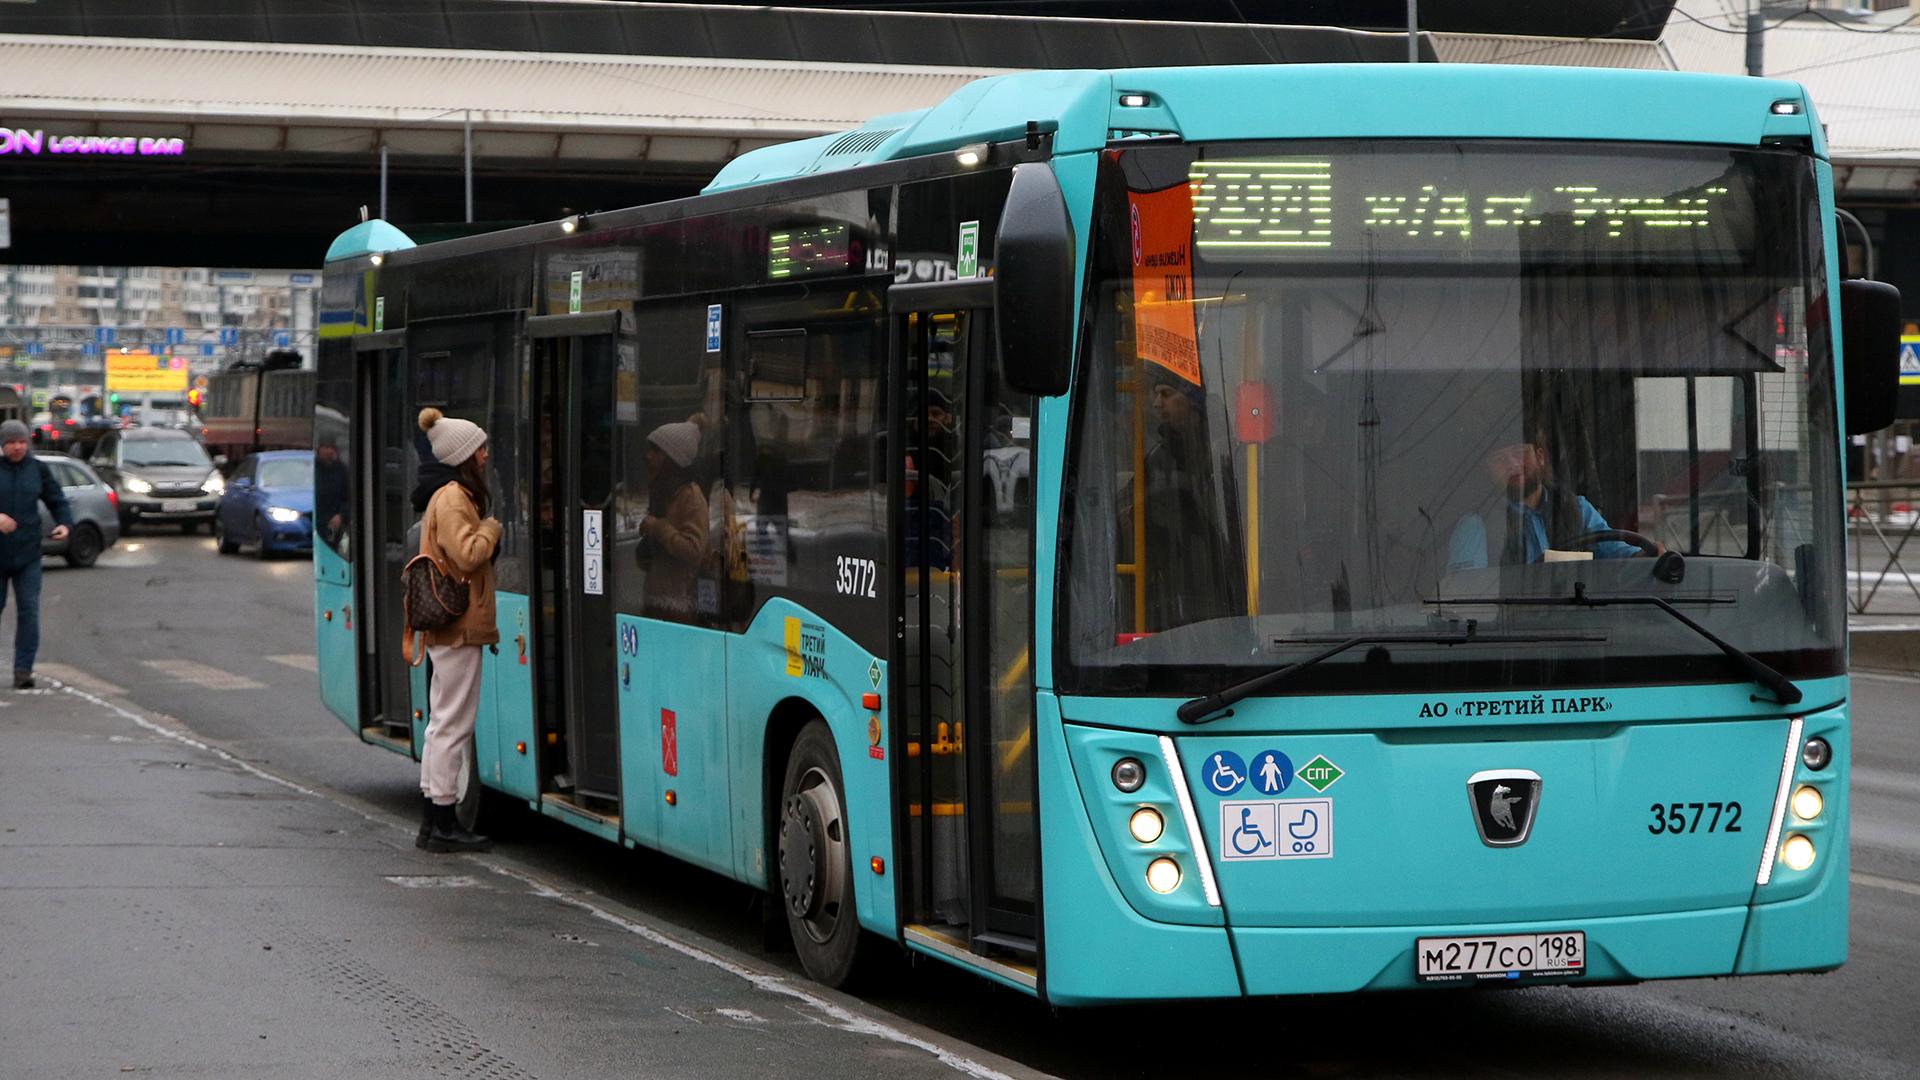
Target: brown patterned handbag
[(431, 598)]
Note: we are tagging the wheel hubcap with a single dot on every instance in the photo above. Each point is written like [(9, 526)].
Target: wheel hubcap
[(813, 855)]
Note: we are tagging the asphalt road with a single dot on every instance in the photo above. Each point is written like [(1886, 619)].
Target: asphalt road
[(225, 645)]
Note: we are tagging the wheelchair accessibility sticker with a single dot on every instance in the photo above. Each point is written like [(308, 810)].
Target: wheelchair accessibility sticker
[(1276, 829), (1224, 772)]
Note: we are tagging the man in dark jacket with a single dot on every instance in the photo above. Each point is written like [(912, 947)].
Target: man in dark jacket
[(25, 483)]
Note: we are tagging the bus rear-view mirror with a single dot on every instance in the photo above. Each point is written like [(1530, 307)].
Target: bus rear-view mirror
[(1033, 283), (1870, 352)]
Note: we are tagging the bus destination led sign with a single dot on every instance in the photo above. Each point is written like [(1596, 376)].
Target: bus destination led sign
[(20, 142), (806, 250), (1296, 205)]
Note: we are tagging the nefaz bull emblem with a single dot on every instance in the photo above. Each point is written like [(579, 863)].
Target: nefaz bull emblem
[(1504, 803)]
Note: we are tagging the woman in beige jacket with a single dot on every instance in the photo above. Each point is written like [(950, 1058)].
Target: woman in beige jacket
[(457, 531), (673, 534)]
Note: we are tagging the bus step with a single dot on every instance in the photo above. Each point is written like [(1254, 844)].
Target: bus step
[(379, 735), (568, 804), (1012, 943), (943, 941)]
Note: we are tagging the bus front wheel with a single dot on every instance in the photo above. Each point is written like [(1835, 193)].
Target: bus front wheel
[(816, 874)]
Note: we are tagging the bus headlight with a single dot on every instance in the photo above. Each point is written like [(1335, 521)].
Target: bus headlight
[(1146, 825), (1797, 853), (1807, 803), (1163, 874), (1129, 774)]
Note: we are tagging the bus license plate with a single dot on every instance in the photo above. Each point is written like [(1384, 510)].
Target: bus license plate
[(1508, 956)]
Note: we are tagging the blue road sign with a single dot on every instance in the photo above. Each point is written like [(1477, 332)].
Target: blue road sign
[(103, 335), (1272, 772), (1224, 772), (206, 350), (713, 327), (34, 348), (175, 335), (229, 335), (282, 339)]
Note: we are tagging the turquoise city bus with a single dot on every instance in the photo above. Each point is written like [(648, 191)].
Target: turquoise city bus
[(1169, 533)]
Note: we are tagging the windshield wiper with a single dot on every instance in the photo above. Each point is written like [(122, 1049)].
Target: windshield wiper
[(1211, 707), (1742, 661)]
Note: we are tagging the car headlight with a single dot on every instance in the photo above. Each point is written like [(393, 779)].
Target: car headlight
[(138, 486), (283, 515), (215, 484)]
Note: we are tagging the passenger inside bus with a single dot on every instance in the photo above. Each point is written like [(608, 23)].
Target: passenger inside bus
[(1192, 572), (332, 491), (1541, 516), (673, 532)]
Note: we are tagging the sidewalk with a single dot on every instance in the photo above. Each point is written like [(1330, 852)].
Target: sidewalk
[(168, 910)]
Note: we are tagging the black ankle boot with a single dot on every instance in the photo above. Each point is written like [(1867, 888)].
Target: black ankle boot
[(426, 823), (448, 835)]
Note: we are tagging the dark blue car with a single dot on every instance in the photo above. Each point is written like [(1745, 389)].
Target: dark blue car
[(268, 503)]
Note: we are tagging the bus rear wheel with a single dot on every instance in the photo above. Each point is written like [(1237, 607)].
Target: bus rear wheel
[(815, 864)]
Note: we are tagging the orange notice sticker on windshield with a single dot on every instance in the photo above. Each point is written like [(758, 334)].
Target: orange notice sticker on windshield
[(1163, 327)]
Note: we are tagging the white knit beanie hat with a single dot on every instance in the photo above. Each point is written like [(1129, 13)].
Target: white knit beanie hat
[(454, 440), (679, 441)]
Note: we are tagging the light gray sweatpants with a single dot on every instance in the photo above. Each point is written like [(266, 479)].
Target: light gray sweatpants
[(454, 693)]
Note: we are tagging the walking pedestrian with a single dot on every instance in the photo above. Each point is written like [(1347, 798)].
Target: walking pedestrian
[(25, 483), (458, 532)]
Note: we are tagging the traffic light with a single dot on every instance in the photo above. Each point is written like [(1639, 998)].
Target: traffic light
[(193, 397), (113, 400)]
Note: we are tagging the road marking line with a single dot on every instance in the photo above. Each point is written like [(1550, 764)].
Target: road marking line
[(73, 676), (303, 661), (212, 678), (434, 881), (847, 1020), (188, 740), (1878, 882)]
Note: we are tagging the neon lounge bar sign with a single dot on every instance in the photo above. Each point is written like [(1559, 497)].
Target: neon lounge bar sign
[(22, 142)]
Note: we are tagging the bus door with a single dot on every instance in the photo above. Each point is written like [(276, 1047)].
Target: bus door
[(964, 685), (382, 438), (575, 360)]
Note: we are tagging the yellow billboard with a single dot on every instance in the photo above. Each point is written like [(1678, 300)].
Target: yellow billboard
[(145, 373)]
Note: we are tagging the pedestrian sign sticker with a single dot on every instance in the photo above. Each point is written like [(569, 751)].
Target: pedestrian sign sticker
[(1272, 772), (1276, 829), (713, 328), (1224, 772), (1319, 774), (1910, 359)]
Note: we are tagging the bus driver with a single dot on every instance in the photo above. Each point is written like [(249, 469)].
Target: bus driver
[(1540, 515)]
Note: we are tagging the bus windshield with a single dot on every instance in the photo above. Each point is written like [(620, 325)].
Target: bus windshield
[(1341, 389)]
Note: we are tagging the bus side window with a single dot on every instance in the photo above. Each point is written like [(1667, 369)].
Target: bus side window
[(808, 490)]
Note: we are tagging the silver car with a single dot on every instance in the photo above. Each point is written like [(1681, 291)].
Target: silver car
[(96, 520)]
